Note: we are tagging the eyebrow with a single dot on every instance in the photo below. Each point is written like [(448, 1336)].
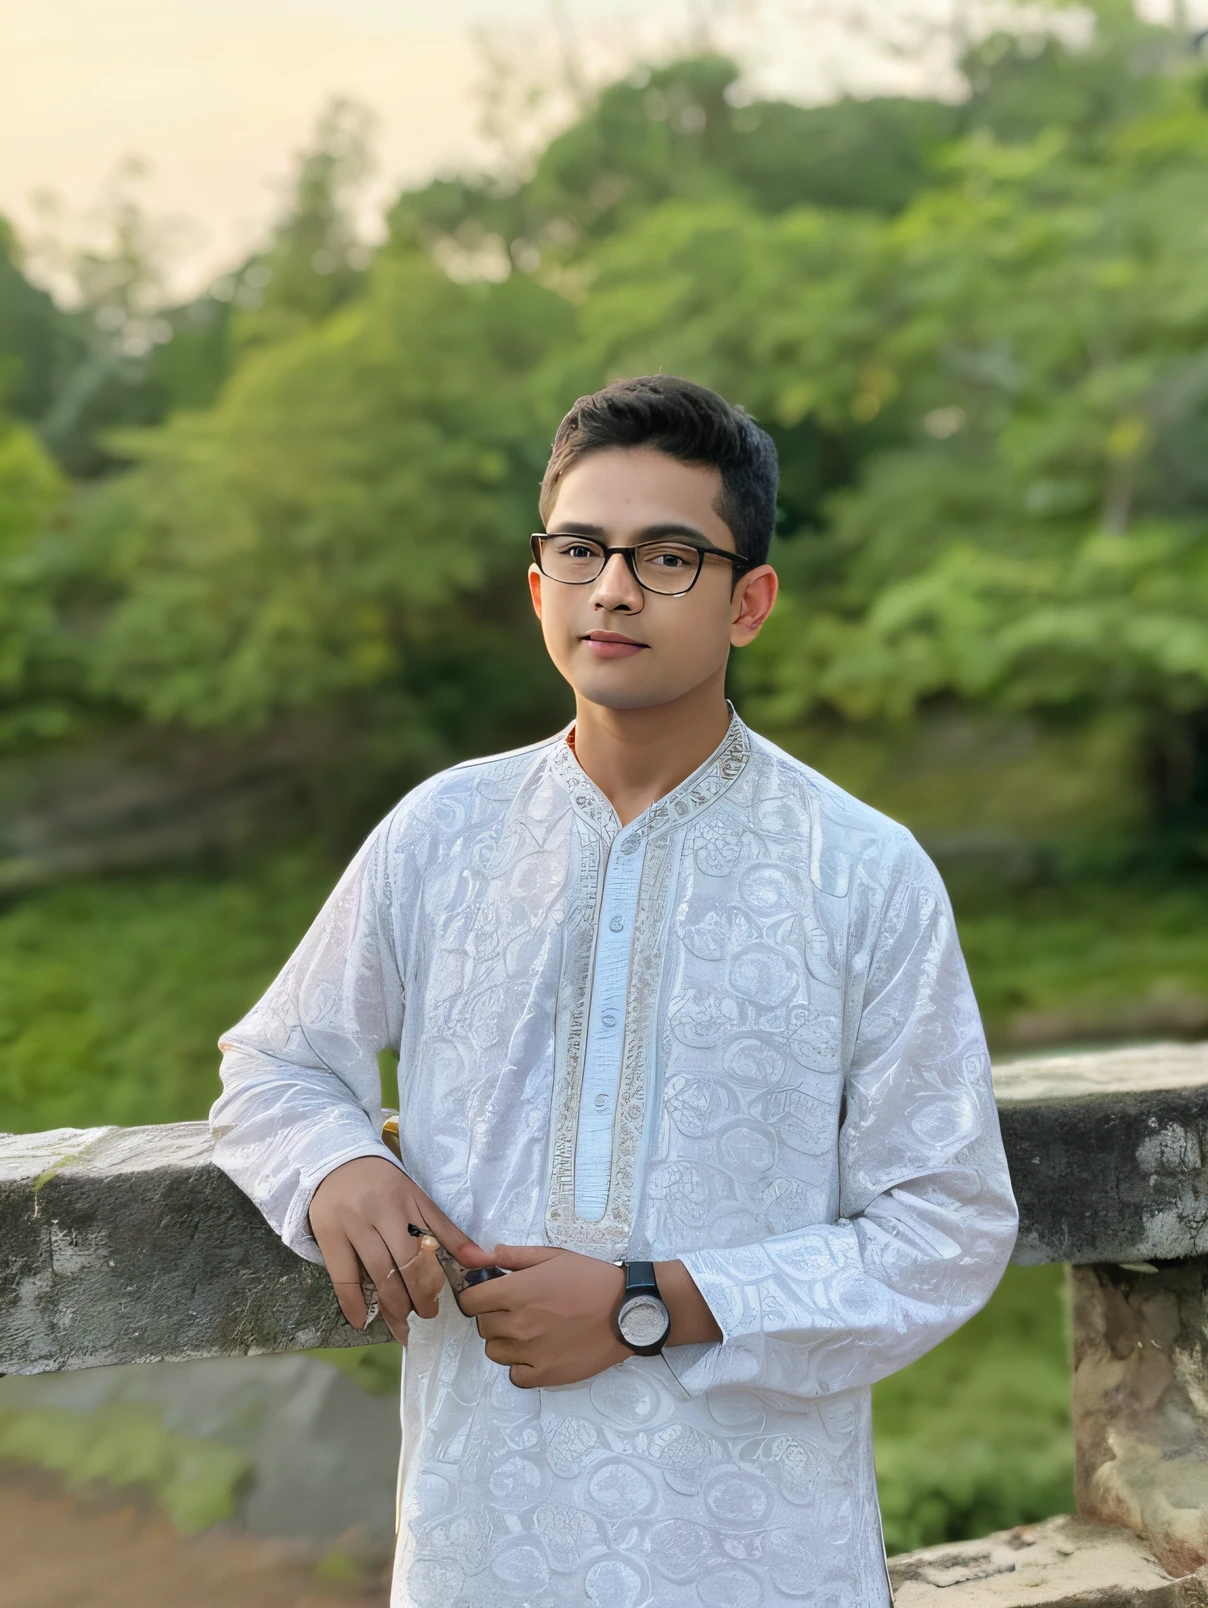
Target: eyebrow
[(571, 527)]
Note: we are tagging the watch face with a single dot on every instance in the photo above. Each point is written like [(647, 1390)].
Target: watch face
[(643, 1320)]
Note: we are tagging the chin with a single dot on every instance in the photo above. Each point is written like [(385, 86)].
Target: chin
[(610, 695)]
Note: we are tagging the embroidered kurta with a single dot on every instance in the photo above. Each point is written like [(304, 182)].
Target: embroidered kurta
[(738, 1032)]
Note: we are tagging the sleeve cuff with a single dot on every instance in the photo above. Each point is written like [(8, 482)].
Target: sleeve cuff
[(730, 1284), (736, 1310)]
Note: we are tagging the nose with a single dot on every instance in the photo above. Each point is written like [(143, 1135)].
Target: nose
[(616, 591)]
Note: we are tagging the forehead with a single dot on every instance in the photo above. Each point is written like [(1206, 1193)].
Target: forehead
[(625, 490)]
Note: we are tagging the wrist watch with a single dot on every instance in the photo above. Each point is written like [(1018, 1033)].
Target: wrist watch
[(643, 1322)]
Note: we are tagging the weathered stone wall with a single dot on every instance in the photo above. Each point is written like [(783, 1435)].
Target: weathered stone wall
[(129, 1245), (1140, 1404), (1109, 1154)]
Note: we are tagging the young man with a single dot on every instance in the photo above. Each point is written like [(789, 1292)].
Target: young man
[(686, 1044)]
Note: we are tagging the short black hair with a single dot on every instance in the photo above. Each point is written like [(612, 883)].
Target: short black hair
[(688, 422)]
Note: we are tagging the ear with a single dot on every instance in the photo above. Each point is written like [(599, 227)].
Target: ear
[(754, 599), (534, 580)]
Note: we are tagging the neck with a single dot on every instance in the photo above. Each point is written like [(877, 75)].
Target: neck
[(635, 756)]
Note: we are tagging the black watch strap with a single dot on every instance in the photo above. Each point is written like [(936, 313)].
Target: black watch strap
[(640, 1279)]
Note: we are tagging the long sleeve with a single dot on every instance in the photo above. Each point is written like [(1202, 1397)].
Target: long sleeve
[(302, 1092), (927, 1218)]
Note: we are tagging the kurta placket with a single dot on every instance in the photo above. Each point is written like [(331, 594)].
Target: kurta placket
[(602, 1059), (739, 1032)]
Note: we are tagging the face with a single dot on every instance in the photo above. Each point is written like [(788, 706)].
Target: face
[(617, 644)]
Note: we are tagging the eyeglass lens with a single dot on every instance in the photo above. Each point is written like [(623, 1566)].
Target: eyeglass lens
[(662, 566)]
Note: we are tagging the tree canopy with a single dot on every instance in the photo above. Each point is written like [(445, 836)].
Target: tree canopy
[(979, 333)]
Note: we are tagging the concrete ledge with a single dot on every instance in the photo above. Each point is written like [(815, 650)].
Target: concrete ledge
[(1062, 1563), (1109, 1154), (129, 1245)]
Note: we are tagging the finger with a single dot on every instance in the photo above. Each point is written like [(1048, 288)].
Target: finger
[(497, 1326), (524, 1378), (490, 1296), (507, 1352), (471, 1255), (392, 1292), (406, 1204), (418, 1268), (424, 1279), (429, 1215), (344, 1270), (517, 1257)]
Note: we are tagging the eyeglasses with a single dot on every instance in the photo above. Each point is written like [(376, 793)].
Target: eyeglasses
[(668, 567)]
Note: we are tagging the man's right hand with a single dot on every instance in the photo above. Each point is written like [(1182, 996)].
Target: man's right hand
[(359, 1215)]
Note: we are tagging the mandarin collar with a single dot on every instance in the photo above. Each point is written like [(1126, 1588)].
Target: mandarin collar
[(695, 793)]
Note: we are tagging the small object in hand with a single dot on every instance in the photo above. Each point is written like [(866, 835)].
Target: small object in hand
[(460, 1278)]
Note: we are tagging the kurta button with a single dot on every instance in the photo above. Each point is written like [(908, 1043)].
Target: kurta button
[(608, 1020), (601, 1101), (617, 924)]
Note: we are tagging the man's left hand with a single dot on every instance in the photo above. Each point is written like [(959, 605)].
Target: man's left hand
[(550, 1322)]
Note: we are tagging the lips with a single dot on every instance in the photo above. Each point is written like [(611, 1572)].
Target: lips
[(612, 645)]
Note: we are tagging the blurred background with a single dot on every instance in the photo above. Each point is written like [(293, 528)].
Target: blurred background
[(292, 299)]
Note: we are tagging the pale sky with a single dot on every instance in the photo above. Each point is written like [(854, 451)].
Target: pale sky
[(217, 96)]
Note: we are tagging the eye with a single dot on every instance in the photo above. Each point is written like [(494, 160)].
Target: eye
[(572, 549), (674, 559)]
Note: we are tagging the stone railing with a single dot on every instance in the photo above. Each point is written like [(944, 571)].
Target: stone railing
[(128, 1245)]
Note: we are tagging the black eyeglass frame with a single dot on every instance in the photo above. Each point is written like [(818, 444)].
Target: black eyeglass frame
[(702, 550)]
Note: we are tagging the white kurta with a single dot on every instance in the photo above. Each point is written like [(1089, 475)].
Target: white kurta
[(738, 1032)]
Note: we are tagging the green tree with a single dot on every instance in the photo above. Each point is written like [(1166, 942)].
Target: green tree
[(680, 131), (31, 490), (112, 269), (38, 343), (988, 387), (993, 410), (314, 261), (1036, 536), (326, 527), (119, 353)]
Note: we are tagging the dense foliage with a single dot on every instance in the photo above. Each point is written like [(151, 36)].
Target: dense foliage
[(979, 333)]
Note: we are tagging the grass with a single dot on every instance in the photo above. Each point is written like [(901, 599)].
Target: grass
[(195, 1482), (1088, 960), (114, 991), (975, 1436)]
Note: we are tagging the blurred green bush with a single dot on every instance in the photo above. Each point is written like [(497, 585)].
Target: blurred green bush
[(975, 1436), (195, 1482), (113, 991), (979, 334)]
